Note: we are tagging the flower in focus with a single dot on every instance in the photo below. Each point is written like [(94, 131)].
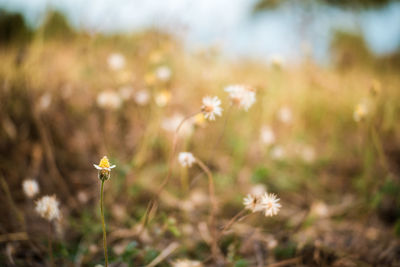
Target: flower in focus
[(142, 97), (252, 202), (47, 208), (360, 112), (211, 107), (270, 204), (104, 168), (163, 73), (267, 136), (241, 95), (285, 115), (31, 188), (162, 98), (116, 61), (109, 100), (186, 159), (186, 263)]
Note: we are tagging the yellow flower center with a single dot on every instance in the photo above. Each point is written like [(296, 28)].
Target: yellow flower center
[(104, 163)]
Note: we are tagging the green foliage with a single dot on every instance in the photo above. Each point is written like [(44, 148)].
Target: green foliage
[(57, 26), (13, 28), (285, 251), (242, 263), (260, 175)]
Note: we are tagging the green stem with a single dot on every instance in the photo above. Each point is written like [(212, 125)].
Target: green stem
[(103, 224)]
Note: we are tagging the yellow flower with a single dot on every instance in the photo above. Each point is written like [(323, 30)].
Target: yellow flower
[(104, 168)]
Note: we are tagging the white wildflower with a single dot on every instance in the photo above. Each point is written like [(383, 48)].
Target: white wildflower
[(31, 188), (241, 95), (211, 107), (277, 153), (116, 61), (163, 73), (186, 159), (285, 115), (45, 101), (109, 100), (267, 136), (252, 202), (47, 208), (270, 204), (171, 124), (142, 97)]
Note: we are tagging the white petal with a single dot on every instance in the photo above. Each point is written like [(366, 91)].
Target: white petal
[(97, 167)]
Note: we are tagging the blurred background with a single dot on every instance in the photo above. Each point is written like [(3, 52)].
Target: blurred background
[(84, 79)]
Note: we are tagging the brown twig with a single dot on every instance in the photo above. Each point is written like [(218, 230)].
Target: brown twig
[(20, 236), (213, 209), (285, 262), (152, 202)]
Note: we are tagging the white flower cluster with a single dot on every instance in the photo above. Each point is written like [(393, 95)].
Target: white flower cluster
[(31, 188), (241, 95), (109, 100), (186, 159), (268, 203), (47, 208)]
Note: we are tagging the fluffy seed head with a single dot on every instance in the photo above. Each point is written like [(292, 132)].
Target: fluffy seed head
[(47, 208), (270, 203), (211, 107), (252, 202), (186, 159), (31, 188)]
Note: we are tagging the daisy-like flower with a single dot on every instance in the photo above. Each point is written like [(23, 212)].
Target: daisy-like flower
[(104, 168), (47, 208), (270, 204), (211, 107), (360, 112), (186, 263), (31, 188), (186, 159), (241, 95), (252, 202)]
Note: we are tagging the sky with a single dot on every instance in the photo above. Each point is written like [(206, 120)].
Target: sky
[(230, 24)]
